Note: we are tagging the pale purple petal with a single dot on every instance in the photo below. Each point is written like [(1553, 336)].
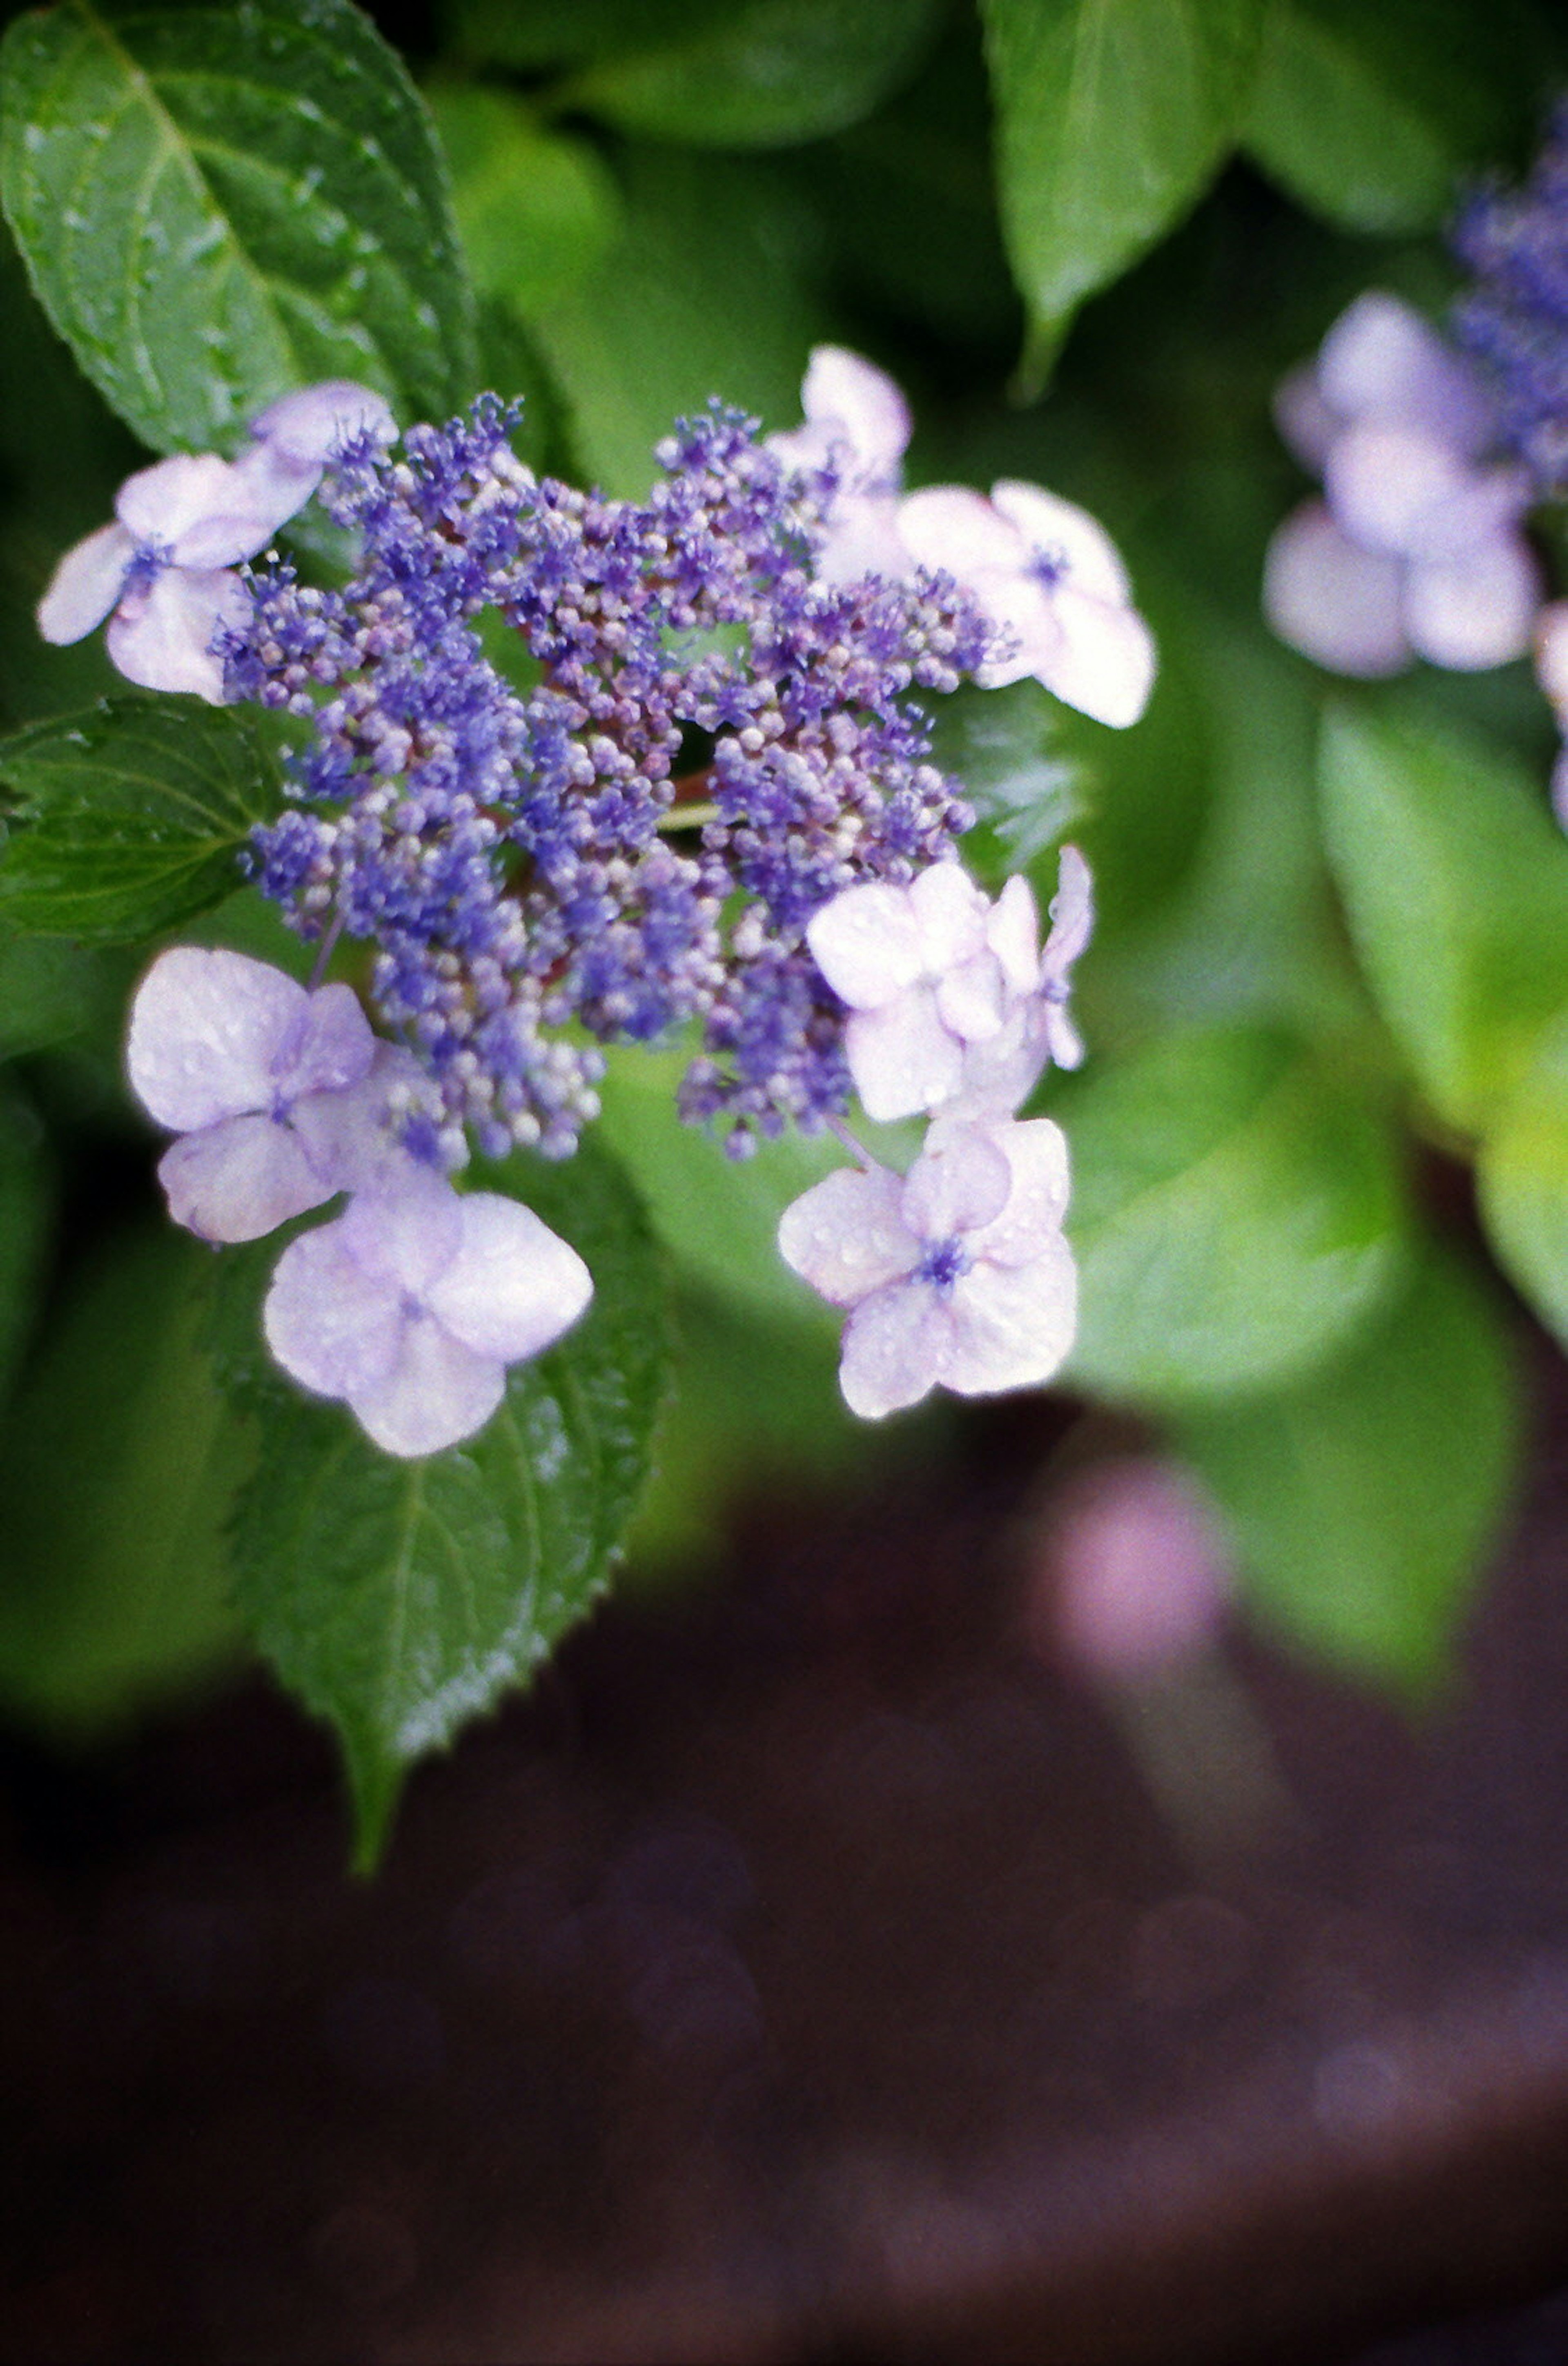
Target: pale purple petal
[(86, 585), (410, 1237), (972, 1000), (893, 1346), (867, 944), (194, 508), (1104, 662), (1476, 611), (1382, 360), (163, 639), (861, 405), (276, 488), (333, 1328), (846, 1236), (334, 1046), (208, 1030), (1025, 614), (953, 528), (863, 538), (952, 914), (308, 426), (1012, 931), (1334, 603), (1306, 420), (1035, 1154), (960, 1183), (999, 1074), (902, 1058), (1072, 915), (1551, 655), (1396, 490), (240, 1178), (1011, 1327), (354, 1136), (1075, 543), (513, 1286), (437, 1393)]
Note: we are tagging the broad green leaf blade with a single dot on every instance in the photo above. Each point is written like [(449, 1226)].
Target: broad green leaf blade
[(132, 816), (50, 991), (398, 1599), (217, 203), (763, 74), (1025, 772), (1111, 115), (1236, 1213), (1455, 881), (552, 32), (118, 1466), (1522, 1175), (1361, 1502), (535, 210)]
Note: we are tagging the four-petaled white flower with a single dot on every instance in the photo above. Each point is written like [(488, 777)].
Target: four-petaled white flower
[(955, 1276), (857, 424), (1049, 578), (165, 568), (1416, 550), (249, 1070), (410, 1307)]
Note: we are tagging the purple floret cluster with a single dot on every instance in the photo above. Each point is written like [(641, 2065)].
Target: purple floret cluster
[(1514, 317), (699, 745)]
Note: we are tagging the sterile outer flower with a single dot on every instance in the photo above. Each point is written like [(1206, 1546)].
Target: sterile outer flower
[(955, 1276), (1381, 364), (410, 1307), (1048, 576), (1000, 1071), (165, 566), (857, 425), (235, 1057)]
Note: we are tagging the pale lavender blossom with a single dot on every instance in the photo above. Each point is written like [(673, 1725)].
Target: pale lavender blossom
[(1416, 550), (1551, 673), (955, 1276), (854, 435), (411, 1308), (1136, 1577), (950, 998), (250, 1071), (1051, 581), (163, 573)]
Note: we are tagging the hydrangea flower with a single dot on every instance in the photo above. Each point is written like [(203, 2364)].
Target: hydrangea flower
[(1051, 581), (856, 430), (248, 1069), (1416, 548), (411, 1308), (955, 1276), (162, 572)]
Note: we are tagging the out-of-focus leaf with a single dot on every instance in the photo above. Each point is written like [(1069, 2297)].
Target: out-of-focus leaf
[(399, 1598), (1030, 782), (217, 203), (1111, 115), (1236, 1214), (1522, 1172), (132, 816), (536, 208), (761, 74), (118, 1465), (532, 33), (705, 294), (1362, 1502), (26, 1215), (1455, 881), (50, 991)]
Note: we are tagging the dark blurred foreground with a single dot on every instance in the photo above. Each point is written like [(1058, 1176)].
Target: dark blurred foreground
[(814, 1971)]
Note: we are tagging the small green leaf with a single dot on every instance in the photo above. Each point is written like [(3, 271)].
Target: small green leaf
[(399, 1598), (217, 203), (1455, 881), (1522, 1173), (535, 210), (1236, 1213), (118, 1463), (763, 73), (1111, 115), (1018, 764), (1361, 1502), (132, 816)]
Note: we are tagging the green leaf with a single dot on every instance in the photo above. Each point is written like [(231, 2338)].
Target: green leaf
[(26, 1222), (50, 991), (1111, 115), (399, 1598), (1455, 881), (548, 32), (1236, 1213), (1522, 1175), (131, 815), (535, 210), (760, 75), (1361, 1503), (703, 295), (120, 1461), (217, 203), (1028, 779)]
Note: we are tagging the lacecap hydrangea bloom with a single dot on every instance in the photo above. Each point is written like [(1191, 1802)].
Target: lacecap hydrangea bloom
[(702, 799)]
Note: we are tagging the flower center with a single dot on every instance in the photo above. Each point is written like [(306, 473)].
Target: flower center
[(1047, 566), (148, 561), (944, 1264)]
